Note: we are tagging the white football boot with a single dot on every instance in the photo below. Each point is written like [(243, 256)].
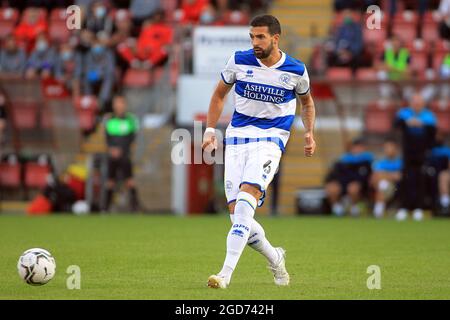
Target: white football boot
[(280, 274), (217, 281)]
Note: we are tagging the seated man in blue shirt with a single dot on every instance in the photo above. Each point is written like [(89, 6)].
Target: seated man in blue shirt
[(349, 177), (387, 173)]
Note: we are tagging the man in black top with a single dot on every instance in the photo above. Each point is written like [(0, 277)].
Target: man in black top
[(120, 129), (418, 129)]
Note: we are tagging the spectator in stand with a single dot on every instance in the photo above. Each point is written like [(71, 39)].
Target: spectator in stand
[(346, 48), (42, 60), (210, 16), (99, 73), (150, 50), (394, 65), (417, 126), (190, 11), (31, 25), (12, 58), (349, 177), (444, 26), (82, 48), (143, 10), (66, 68), (99, 21), (122, 28), (444, 72), (386, 175)]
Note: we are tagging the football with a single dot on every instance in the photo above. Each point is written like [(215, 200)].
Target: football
[(36, 266)]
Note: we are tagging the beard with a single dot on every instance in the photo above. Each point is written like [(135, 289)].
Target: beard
[(263, 54)]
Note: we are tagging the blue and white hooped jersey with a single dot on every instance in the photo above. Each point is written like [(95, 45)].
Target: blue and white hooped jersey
[(264, 97)]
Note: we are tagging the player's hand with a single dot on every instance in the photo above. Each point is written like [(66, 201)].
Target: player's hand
[(310, 145), (209, 141)]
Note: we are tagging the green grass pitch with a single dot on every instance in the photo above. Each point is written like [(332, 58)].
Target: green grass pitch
[(167, 257)]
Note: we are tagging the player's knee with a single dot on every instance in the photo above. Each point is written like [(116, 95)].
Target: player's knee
[(245, 208), (231, 207), (354, 188), (333, 188), (251, 189)]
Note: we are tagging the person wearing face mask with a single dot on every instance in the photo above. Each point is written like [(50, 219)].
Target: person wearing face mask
[(98, 20), (12, 58), (42, 59), (29, 28), (98, 75), (347, 46), (66, 67)]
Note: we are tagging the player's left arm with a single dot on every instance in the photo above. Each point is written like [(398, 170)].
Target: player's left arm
[(308, 114)]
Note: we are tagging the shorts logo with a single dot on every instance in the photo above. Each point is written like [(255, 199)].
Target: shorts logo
[(228, 185), (285, 78), (266, 167)]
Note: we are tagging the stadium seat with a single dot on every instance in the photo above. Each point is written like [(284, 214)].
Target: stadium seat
[(58, 14), (378, 118), (137, 78), (405, 31), (235, 17), (46, 119), (430, 32), (366, 74), (419, 61), (8, 20), (438, 57), (339, 73), (375, 35), (121, 14), (10, 175), (24, 114), (442, 111), (405, 17), (36, 174), (86, 119), (86, 102), (58, 31), (431, 17)]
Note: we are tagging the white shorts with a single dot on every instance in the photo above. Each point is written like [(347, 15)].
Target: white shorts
[(253, 163)]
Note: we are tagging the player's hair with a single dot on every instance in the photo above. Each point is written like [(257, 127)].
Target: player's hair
[(269, 21)]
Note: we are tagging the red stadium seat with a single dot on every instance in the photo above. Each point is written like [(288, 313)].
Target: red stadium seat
[(86, 102), (442, 111), (58, 31), (24, 114), (431, 17), (36, 174), (378, 118), (405, 31), (58, 14), (430, 32), (375, 35), (438, 57), (406, 17), (8, 20), (339, 73), (366, 74), (10, 175), (137, 78), (419, 61), (86, 118)]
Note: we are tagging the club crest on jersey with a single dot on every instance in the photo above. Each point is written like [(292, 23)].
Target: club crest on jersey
[(249, 73), (285, 78)]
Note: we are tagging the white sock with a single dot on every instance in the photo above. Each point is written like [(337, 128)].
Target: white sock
[(378, 210), (240, 231), (338, 209), (354, 210), (258, 241), (445, 200)]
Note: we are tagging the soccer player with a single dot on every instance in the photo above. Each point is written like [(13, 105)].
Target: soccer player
[(266, 84)]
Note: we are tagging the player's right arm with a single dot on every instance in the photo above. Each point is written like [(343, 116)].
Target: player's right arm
[(214, 112)]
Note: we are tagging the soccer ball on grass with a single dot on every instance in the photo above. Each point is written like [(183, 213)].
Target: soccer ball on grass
[(36, 266)]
